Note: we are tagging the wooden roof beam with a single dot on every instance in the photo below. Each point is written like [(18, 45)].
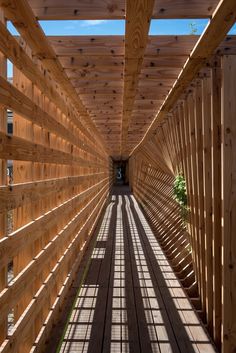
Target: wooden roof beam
[(222, 20), (115, 9), (138, 18), (23, 18)]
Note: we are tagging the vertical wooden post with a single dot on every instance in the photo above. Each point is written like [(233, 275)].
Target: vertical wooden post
[(207, 181), (229, 202), (3, 181), (199, 182), (193, 177), (216, 197)]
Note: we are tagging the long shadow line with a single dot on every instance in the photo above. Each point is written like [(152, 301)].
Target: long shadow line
[(59, 330), (103, 305), (144, 340), (173, 318)]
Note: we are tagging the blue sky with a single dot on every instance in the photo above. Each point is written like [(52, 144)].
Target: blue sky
[(117, 27)]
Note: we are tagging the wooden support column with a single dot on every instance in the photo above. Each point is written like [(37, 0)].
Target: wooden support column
[(216, 197), (207, 181), (199, 181), (229, 202), (193, 177), (3, 181)]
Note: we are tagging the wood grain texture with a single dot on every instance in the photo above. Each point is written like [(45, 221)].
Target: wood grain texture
[(115, 9), (138, 17), (222, 20), (20, 12), (229, 202)]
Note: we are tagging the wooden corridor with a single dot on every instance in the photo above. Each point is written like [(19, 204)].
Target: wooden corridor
[(78, 111), (130, 299)]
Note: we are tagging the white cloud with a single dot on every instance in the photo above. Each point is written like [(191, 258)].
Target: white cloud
[(89, 23), (70, 27)]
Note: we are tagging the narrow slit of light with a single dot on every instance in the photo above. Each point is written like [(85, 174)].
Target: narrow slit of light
[(157, 332), (104, 229), (78, 333), (119, 327)]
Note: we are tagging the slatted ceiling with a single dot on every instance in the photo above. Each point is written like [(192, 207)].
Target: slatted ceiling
[(156, 81), (98, 82), (95, 66)]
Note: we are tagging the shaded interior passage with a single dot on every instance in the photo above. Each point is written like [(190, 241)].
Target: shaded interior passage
[(130, 299)]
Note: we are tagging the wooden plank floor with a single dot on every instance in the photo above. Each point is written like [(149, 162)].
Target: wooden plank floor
[(130, 299)]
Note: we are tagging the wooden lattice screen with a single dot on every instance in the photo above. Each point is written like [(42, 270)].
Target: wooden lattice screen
[(197, 139), (59, 181)]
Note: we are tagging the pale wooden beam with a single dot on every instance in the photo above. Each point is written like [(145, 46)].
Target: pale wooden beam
[(138, 17), (228, 197), (222, 20), (23, 18), (79, 10)]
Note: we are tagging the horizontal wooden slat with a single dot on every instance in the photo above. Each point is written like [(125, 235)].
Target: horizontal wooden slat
[(16, 195), (101, 9), (56, 307), (10, 246), (39, 299), (15, 290), (16, 148), (87, 45), (20, 12), (12, 98), (11, 48), (184, 9), (95, 9)]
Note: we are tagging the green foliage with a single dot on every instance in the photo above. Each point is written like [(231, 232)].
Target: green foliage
[(180, 195), (193, 28), (180, 192)]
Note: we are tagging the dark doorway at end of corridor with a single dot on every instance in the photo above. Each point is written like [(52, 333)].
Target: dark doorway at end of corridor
[(121, 172)]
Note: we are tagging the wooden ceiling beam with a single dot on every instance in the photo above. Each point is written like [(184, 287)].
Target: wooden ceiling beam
[(103, 45), (171, 9), (222, 20), (78, 10), (138, 18), (21, 15), (115, 9)]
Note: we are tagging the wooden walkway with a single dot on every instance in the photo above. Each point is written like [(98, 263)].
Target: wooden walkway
[(130, 299)]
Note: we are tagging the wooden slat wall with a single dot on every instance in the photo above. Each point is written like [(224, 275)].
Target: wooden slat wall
[(189, 140), (61, 180), (3, 180)]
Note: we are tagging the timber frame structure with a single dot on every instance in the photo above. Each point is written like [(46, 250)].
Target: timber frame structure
[(166, 103)]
